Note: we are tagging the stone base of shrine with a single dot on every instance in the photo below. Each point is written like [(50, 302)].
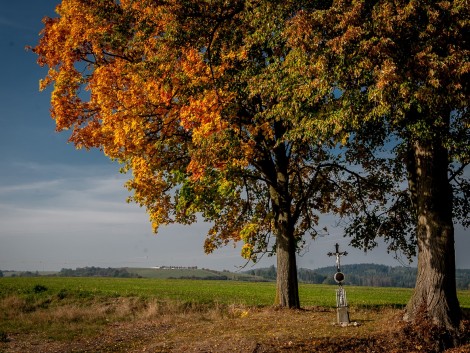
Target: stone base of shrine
[(342, 315)]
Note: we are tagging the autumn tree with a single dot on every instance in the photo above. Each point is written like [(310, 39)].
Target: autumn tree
[(402, 67), (212, 112)]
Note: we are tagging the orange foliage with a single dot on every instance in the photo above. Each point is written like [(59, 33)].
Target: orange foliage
[(126, 83)]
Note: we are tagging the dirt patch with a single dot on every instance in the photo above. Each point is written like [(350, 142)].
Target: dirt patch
[(238, 329)]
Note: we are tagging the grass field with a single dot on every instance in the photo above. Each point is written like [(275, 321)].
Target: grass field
[(205, 292), (67, 314)]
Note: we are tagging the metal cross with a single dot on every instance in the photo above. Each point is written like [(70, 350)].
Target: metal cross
[(338, 254)]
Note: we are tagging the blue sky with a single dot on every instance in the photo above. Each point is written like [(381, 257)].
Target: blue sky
[(63, 208)]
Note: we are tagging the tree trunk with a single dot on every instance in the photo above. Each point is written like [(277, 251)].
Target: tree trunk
[(287, 291), (435, 292)]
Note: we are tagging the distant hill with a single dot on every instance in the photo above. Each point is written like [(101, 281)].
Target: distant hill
[(96, 272), (193, 273), (371, 275), (130, 272)]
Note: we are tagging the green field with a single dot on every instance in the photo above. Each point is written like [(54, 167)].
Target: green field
[(203, 292)]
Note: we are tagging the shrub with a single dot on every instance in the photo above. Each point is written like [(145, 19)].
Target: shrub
[(39, 288)]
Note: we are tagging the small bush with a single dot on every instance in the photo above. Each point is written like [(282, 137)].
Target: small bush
[(63, 293), (39, 288)]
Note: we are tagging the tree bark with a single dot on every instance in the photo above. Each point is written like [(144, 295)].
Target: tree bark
[(287, 292), (435, 293)]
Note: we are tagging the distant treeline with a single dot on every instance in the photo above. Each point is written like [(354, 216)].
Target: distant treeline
[(78, 272), (371, 275), (19, 274), (97, 272)]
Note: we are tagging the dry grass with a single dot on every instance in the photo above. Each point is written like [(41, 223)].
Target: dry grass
[(134, 324)]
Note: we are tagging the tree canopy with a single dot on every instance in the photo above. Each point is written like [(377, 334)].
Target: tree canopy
[(402, 67), (215, 114)]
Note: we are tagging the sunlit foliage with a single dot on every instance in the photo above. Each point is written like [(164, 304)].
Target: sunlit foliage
[(209, 107)]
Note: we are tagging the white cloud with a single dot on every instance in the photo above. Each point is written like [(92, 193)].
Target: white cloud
[(80, 202), (36, 185), (80, 219)]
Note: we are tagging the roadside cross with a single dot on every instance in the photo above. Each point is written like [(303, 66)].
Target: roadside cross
[(341, 301), (338, 255)]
